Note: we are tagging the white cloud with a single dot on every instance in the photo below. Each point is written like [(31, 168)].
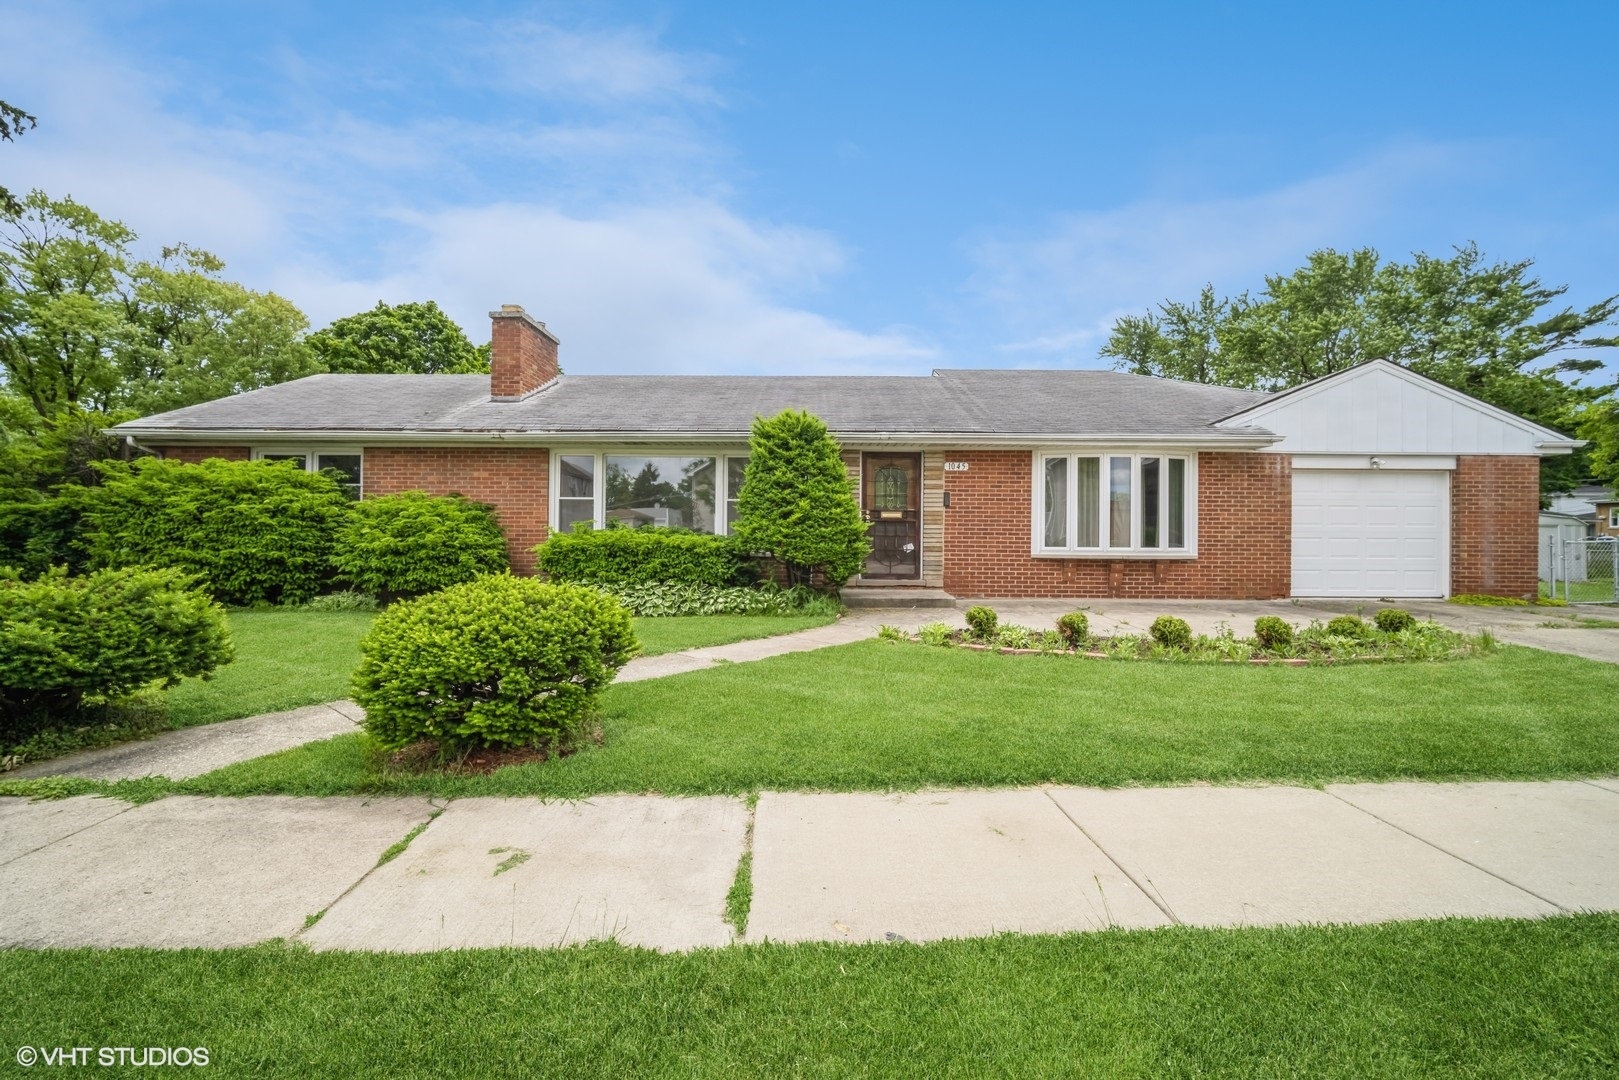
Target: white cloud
[(1059, 293), (338, 210), (612, 65), (687, 288)]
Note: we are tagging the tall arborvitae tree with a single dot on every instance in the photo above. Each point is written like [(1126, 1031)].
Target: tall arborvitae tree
[(798, 504)]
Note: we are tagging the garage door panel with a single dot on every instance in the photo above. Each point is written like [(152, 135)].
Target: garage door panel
[(1370, 532)]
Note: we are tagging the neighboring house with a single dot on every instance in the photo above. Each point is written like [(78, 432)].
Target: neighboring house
[(1582, 503), (1372, 482), (1607, 517)]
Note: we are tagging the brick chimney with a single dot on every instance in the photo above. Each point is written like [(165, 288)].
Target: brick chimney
[(522, 354)]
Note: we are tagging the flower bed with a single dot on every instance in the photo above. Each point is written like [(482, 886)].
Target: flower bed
[(1343, 640)]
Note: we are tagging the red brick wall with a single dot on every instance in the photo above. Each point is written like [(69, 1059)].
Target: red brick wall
[(1244, 535), (514, 480), (1495, 525), (194, 455), (522, 354)]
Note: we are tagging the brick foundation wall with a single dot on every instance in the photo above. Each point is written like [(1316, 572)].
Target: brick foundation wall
[(1495, 526), (195, 455), (514, 480), (1244, 530)]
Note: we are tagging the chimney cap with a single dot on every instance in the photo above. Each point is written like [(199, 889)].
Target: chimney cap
[(515, 311)]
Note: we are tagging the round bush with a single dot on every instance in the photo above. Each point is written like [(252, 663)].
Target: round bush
[(1171, 632), (414, 543), (1349, 626), (105, 635), (981, 622), (1392, 620), (1273, 632), (498, 661), (1074, 628)]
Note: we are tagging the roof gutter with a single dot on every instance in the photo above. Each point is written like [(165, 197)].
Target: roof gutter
[(158, 436)]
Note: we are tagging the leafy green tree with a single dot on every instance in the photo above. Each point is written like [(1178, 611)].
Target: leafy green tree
[(797, 502), (62, 318), (13, 122), (406, 339), (201, 337), (1488, 329), (86, 326)]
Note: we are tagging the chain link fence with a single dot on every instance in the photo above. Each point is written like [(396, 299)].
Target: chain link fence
[(1580, 571)]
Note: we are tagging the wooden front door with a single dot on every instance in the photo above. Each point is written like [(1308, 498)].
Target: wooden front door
[(891, 497)]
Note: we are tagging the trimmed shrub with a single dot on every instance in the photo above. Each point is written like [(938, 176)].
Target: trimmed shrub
[(106, 635), (1074, 627), (1171, 632), (1392, 620), (252, 531), (498, 661), (1349, 626), (413, 543), (797, 503), (643, 556), (981, 622), (1273, 632)]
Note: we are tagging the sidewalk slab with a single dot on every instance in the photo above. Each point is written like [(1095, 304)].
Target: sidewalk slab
[(180, 755), (929, 865), (645, 870), (27, 825), (1262, 856), (191, 872), (1607, 783), (1558, 839)]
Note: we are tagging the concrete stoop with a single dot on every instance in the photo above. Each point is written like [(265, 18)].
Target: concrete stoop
[(895, 596)]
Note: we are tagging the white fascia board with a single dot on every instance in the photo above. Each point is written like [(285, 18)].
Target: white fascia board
[(1549, 441)]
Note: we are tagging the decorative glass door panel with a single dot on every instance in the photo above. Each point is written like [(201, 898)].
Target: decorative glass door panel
[(891, 497)]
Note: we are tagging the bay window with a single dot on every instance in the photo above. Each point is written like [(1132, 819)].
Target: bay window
[(1113, 504)]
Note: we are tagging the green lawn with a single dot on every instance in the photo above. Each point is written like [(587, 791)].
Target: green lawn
[(1486, 999), (879, 715), (291, 657), (284, 658), (674, 633)]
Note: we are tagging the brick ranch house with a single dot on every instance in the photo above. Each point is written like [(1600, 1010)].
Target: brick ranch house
[(1373, 482)]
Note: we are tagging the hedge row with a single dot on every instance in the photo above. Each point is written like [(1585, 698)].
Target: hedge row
[(645, 556), (254, 532)]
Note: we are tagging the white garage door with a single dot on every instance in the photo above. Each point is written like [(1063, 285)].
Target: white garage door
[(1370, 532)]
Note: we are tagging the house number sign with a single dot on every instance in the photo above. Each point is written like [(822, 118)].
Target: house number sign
[(955, 466)]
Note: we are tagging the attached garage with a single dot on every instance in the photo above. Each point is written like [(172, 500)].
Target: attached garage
[(1370, 532), (1403, 487)]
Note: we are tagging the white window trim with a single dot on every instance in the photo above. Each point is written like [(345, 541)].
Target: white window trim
[(310, 451), (1039, 550), (1613, 517), (722, 483)]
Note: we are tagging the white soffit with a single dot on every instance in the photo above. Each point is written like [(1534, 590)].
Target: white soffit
[(1381, 408)]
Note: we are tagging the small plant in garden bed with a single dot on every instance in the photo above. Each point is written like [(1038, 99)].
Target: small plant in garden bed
[(1172, 639)]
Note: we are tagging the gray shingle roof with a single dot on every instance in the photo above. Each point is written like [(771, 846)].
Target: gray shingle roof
[(959, 402)]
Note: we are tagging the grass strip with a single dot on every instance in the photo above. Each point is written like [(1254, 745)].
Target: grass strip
[(1485, 998)]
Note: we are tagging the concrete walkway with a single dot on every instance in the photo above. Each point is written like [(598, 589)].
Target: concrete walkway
[(655, 871)]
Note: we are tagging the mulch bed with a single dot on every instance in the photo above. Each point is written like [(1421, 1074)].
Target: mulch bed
[(428, 756)]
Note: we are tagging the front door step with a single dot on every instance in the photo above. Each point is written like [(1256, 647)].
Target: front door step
[(858, 596)]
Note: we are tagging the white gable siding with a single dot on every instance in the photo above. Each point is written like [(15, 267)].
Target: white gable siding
[(1380, 410)]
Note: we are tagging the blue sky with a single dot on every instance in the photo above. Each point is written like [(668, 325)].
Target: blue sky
[(832, 187)]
